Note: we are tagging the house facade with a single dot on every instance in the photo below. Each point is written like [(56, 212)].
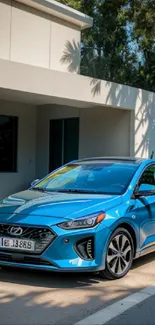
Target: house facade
[(49, 113)]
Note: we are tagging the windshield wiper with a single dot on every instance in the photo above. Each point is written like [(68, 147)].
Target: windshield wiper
[(77, 191), (38, 189)]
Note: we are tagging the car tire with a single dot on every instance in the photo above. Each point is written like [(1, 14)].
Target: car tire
[(119, 255)]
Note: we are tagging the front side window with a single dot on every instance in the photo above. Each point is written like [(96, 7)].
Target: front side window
[(147, 180), (8, 143), (102, 178)]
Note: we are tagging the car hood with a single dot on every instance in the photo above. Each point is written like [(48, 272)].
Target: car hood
[(50, 208)]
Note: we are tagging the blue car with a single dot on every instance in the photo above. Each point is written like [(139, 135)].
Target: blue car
[(93, 215)]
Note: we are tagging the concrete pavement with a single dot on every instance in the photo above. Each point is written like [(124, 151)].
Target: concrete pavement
[(30, 298)]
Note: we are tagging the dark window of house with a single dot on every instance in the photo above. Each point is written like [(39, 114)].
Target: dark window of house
[(64, 141), (8, 143)]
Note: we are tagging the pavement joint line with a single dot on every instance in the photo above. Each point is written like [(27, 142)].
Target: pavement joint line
[(108, 313)]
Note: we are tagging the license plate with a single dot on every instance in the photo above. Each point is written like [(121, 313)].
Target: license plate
[(19, 244)]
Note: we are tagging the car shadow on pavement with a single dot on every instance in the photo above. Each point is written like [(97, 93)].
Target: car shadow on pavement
[(49, 279), (144, 260)]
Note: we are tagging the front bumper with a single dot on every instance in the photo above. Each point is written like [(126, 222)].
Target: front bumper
[(62, 254)]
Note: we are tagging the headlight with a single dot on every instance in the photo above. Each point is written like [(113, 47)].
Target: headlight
[(85, 222)]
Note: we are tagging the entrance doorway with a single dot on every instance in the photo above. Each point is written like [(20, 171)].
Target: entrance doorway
[(64, 142)]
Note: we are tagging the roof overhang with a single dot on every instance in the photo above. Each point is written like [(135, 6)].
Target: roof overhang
[(25, 83), (61, 11)]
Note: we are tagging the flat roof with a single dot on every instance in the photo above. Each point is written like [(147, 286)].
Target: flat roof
[(61, 11)]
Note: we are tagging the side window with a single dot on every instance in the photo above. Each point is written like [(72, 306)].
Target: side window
[(147, 180)]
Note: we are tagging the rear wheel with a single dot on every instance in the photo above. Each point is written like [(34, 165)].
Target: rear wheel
[(119, 255)]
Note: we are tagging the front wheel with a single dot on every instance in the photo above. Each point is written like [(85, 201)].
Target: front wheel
[(119, 256)]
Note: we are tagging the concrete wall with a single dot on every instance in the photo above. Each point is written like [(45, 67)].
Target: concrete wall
[(59, 87), (65, 47), (103, 131), (143, 125), (5, 19), (12, 182), (31, 37)]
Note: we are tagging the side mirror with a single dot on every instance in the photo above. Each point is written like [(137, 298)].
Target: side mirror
[(139, 194), (146, 188), (34, 182)]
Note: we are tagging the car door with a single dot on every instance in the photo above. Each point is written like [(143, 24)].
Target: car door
[(145, 209)]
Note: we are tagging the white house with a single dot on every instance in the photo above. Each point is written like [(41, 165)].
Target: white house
[(49, 113)]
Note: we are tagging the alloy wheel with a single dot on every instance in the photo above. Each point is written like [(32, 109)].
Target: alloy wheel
[(119, 254)]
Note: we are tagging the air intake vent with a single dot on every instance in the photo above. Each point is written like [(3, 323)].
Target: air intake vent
[(21, 259), (85, 248), (6, 258)]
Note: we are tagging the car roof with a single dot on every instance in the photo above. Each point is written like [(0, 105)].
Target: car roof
[(125, 160)]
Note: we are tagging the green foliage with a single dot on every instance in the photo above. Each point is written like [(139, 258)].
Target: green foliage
[(76, 4), (121, 45), (143, 19)]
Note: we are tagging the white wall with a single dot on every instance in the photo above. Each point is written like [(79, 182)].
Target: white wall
[(143, 125), (65, 47), (32, 37), (12, 182), (103, 132), (5, 20)]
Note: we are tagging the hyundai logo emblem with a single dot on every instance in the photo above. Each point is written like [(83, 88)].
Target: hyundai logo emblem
[(16, 231)]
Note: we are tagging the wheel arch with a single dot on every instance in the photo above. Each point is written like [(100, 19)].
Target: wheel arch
[(132, 232)]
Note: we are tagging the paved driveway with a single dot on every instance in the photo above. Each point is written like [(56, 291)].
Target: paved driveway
[(29, 298)]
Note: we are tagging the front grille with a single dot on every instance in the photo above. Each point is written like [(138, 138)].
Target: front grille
[(36, 261), (85, 248), (21, 259), (6, 258), (43, 237)]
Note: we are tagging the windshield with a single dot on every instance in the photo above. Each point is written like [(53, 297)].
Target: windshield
[(101, 178)]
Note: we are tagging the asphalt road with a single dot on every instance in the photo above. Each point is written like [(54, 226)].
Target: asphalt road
[(142, 314), (30, 298)]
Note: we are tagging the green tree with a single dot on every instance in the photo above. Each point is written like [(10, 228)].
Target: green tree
[(142, 17), (112, 59), (121, 45), (76, 4)]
